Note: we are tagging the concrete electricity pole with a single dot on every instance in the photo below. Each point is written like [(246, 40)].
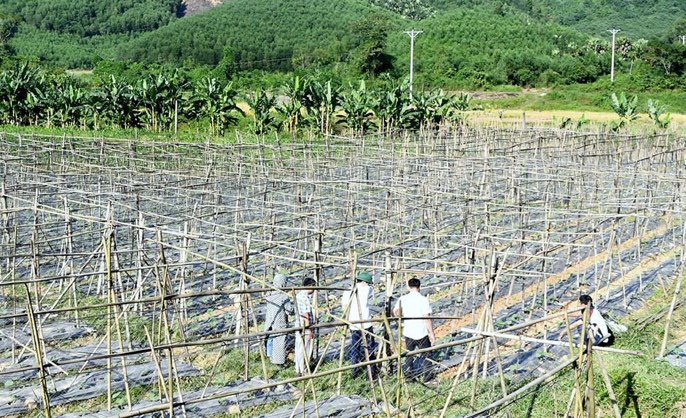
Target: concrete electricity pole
[(413, 34), (612, 66)]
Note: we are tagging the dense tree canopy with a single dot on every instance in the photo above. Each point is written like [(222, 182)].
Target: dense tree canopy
[(94, 17), (485, 49), (263, 34), (637, 18), (466, 43)]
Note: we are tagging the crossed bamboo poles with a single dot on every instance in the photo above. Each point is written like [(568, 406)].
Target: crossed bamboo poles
[(437, 228)]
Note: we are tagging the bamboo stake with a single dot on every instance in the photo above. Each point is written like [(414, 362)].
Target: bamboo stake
[(590, 383), (35, 335), (162, 285), (341, 353), (677, 291), (608, 386), (113, 299), (521, 391)]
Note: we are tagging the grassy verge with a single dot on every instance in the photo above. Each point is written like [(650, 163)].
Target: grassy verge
[(644, 386), (582, 98)]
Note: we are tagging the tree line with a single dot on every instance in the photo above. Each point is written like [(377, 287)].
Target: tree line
[(463, 46), (31, 97)]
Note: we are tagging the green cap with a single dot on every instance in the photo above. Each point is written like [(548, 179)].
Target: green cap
[(364, 277)]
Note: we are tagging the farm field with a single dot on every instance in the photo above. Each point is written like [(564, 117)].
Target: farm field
[(133, 274), (554, 118)]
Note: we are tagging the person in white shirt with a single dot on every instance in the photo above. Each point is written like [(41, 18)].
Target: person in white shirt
[(356, 303), (597, 327), (418, 333)]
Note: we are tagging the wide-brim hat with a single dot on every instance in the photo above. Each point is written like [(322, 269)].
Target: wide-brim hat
[(365, 277)]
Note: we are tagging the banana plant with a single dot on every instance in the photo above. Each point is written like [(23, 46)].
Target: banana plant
[(443, 108), (38, 103), (459, 105), (625, 108), (422, 104), (159, 97), (20, 90), (70, 103), (357, 104), (321, 102), (216, 102), (393, 106), (462, 102), (117, 104), (292, 108), (657, 112), (434, 108), (261, 104)]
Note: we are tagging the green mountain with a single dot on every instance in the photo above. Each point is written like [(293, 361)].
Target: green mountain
[(482, 45), (264, 34), (77, 33), (472, 42), (636, 18), (87, 18), (485, 48)]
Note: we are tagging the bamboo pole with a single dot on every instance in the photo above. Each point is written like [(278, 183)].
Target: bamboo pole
[(677, 291), (244, 312), (341, 353), (113, 299), (590, 153), (35, 336), (523, 390), (608, 386), (590, 382)]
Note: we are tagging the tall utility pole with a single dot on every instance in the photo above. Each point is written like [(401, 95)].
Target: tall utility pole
[(683, 39), (413, 34), (612, 66)]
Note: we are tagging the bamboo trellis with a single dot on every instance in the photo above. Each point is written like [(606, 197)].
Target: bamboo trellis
[(160, 254)]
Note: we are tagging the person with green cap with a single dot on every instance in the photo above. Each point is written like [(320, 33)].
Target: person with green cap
[(356, 308)]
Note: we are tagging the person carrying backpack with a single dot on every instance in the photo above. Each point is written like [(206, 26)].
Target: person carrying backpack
[(279, 307)]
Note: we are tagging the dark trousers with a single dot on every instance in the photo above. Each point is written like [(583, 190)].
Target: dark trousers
[(357, 351), (415, 367)]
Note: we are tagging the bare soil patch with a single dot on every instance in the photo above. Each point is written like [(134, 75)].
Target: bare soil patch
[(193, 7)]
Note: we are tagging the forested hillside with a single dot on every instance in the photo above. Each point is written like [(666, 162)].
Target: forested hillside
[(476, 46), (78, 33), (262, 34), (88, 18), (483, 48), (466, 43), (636, 18)]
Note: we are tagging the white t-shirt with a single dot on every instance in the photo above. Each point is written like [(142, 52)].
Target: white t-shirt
[(414, 304), (598, 324), (359, 309)]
